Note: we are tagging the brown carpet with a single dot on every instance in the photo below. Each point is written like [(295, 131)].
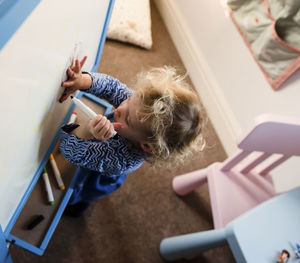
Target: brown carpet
[(127, 226)]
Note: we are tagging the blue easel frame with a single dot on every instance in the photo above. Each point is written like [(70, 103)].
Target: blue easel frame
[(4, 254), (10, 22), (41, 249)]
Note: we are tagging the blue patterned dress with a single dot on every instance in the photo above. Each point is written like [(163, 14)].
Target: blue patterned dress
[(104, 165)]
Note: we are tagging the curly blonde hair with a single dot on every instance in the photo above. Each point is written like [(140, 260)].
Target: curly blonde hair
[(171, 111)]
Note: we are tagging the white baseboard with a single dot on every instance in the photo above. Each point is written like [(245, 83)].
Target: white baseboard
[(218, 110)]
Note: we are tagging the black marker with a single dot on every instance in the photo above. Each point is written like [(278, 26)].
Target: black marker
[(35, 221)]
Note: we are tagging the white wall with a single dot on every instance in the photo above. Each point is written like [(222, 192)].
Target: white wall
[(231, 85)]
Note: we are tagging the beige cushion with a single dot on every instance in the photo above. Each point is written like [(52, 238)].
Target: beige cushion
[(131, 22)]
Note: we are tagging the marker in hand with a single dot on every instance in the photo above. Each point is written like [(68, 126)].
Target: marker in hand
[(87, 110)]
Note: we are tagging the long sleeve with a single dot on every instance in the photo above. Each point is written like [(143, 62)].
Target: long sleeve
[(109, 157), (109, 88)]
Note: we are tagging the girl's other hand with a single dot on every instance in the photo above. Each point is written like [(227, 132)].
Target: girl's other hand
[(75, 79)]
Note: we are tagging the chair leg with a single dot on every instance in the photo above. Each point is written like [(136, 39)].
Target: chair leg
[(183, 246), (186, 183)]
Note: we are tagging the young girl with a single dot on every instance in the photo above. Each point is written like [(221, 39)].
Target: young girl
[(160, 121)]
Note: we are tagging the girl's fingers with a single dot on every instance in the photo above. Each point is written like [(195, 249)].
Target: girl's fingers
[(72, 64), (67, 84), (74, 69), (77, 66), (69, 90), (62, 98), (105, 130), (93, 122), (110, 131), (100, 125), (83, 61), (102, 128), (70, 73), (65, 95)]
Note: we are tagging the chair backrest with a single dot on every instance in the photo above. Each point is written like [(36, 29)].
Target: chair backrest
[(270, 134), (273, 134)]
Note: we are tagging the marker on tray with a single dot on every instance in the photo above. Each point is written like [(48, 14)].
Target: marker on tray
[(88, 111), (36, 220), (73, 118), (57, 173), (48, 187)]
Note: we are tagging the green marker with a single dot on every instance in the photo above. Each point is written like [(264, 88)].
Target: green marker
[(48, 187)]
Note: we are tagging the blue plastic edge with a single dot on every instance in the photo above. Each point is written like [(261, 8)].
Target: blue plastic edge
[(23, 244), (40, 250), (12, 14), (4, 253), (108, 108), (103, 36)]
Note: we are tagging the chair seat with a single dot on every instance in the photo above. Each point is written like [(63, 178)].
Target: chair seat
[(262, 233), (233, 193)]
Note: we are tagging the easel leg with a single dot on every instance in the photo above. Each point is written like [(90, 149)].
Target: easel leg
[(4, 253)]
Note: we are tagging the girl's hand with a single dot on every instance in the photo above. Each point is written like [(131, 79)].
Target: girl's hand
[(76, 80), (102, 129)]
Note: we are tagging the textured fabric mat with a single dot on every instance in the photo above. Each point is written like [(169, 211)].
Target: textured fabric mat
[(271, 30)]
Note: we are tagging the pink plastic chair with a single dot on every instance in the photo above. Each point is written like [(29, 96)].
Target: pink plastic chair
[(235, 187)]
